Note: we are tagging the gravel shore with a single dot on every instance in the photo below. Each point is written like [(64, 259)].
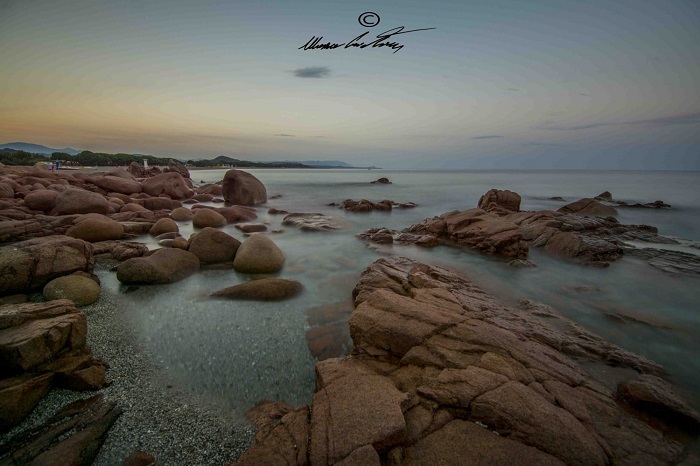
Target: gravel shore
[(170, 423)]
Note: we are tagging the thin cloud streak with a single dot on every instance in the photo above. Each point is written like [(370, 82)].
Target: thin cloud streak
[(490, 136), (683, 119), (312, 72)]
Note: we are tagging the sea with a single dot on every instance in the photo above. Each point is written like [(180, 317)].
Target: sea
[(237, 353)]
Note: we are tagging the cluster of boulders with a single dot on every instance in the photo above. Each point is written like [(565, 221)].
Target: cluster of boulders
[(53, 227), (584, 231), (441, 373)]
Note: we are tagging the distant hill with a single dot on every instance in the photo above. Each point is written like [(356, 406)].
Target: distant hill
[(326, 163), (37, 148)]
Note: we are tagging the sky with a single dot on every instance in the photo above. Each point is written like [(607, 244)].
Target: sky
[(507, 84)]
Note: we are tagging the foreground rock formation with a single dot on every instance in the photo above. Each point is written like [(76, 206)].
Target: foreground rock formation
[(42, 345), (441, 373)]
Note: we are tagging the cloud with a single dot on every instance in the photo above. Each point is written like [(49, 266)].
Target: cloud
[(284, 135), (490, 136), (682, 119), (512, 89), (312, 72), (543, 144)]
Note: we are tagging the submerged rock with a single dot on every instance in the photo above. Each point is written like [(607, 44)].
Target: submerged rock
[(265, 289), (313, 221)]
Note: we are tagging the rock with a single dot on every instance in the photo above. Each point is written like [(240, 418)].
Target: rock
[(265, 289), (604, 196), (242, 188), (203, 197), (587, 206), (382, 180), (655, 396), (365, 206), (117, 184), (207, 218), (377, 235), (521, 264), (181, 214), (477, 229), (159, 203), (313, 222), (500, 201), (213, 189), (164, 225), (79, 289), (171, 183), (133, 207), (180, 243), (43, 200), (274, 211), (176, 167), (6, 191), (139, 458), (353, 408), (251, 227), (120, 250), (72, 437), (136, 169), (213, 246), (447, 446), (95, 227), (19, 396), (163, 266), (237, 213), (258, 254), (29, 265), (284, 441), (34, 333), (79, 201)]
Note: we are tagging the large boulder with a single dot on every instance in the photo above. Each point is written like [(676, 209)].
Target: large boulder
[(181, 214), (258, 254), (207, 218), (116, 184), (242, 188), (43, 200), (500, 201), (78, 288), (266, 289), (163, 266), (171, 184), (95, 227), (29, 265), (176, 167), (213, 246), (587, 206), (164, 225), (136, 169), (80, 201)]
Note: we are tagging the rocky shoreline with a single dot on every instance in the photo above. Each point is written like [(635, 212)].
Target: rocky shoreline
[(435, 363), (441, 373)]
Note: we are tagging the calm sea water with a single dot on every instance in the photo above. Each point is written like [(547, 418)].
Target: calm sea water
[(238, 353)]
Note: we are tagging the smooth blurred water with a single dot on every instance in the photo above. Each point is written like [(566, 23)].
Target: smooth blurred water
[(239, 352)]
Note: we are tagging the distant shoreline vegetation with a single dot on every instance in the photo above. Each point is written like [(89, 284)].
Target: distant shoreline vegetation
[(102, 159)]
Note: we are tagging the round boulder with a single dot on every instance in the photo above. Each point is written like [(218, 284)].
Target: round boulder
[(208, 218), (80, 201), (258, 254), (43, 200), (266, 289), (164, 225), (181, 214), (116, 184), (96, 227), (213, 246), (242, 188), (163, 266), (79, 289), (170, 183)]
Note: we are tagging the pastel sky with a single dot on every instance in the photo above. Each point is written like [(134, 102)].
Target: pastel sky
[(496, 84)]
